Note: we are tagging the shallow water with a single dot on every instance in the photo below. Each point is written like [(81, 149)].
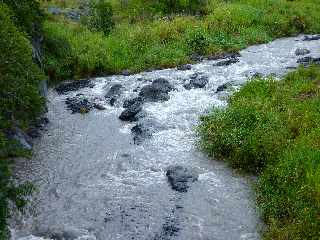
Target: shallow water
[(95, 183)]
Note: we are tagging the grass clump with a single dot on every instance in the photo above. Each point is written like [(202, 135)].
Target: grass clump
[(272, 128)]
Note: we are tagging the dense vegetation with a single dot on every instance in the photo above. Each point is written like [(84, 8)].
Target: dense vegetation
[(20, 101), (147, 35), (273, 128)]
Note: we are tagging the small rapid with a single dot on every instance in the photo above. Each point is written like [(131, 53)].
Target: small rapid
[(97, 179)]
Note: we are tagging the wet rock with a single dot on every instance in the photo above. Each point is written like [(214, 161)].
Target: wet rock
[(197, 82), (157, 91), (54, 10), (227, 62), (223, 87), (140, 133), (114, 93), (196, 57), (180, 178), (79, 104), (99, 106), (74, 86), (35, 129), (311, 38), (144, 130), (130, 114), (308, 61), (301, 51), (127, 103), (184, 67), (126, 72)]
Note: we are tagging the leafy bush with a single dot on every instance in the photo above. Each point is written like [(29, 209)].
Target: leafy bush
[(273, 128), (101, 16)]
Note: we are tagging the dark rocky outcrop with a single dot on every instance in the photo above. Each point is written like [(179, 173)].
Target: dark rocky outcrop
[(66, 87), (196, 81), (184, 67), (130, 113), (157, 91), (180, 178), (301, 51), (311, 38), (127, 103), (223, 56), (113, 93), (79, 104)]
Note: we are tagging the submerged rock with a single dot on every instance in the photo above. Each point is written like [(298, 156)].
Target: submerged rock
[(114, 93), (180, 178), (196, 82), (66, 87), (301, 51), (79, 104), (144, 130), (184, 67), (130, 114)]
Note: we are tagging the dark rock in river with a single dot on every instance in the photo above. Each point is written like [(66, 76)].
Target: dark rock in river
[(311, 38), (127, 103), (223, 56), (126, 72), (196, 57), (79, 104), (227, 62), (113, 93), (157, 91), (73, 86), (223, 87), (308, 61), (196, 82), (144, 130), (301, 51), (184, 67), (130, 114), (180, 178)]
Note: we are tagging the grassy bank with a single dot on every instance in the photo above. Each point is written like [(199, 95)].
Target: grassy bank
[(272, 128), (145, 38)]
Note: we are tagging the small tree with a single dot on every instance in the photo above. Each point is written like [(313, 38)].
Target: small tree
[(101, 16)]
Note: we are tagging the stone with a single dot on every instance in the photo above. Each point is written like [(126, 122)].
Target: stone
[(180, 178), (301, 51), (130, 114), (66, 87), (184, 67)]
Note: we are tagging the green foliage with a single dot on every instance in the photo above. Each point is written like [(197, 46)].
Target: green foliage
[(20, 101), (272, 128), (27, 15), (150, 41), (101, 16)]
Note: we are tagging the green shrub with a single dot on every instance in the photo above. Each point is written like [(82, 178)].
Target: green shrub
[(273, 128), (101, 16)]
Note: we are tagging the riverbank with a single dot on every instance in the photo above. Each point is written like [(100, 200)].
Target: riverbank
[(156, 40), (271, 128)]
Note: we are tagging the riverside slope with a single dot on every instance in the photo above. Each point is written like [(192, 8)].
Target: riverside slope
[(94, 182)]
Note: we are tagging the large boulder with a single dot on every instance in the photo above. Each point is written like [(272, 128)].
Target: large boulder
[(157, 91), (79, 104), (196, 81), (180, 178), (223, 87), (130, 113)]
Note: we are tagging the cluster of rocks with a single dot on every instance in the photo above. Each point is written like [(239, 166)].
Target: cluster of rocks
[(306, 61), (228, 59), (81, 104), (196, 81), (158, 90), (66, 87), (311, 38)]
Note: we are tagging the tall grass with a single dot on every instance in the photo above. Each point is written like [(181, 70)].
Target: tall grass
[(273, 128), (166, 42)]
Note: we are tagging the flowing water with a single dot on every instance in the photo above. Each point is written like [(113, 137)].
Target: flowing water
[(94, 183)]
